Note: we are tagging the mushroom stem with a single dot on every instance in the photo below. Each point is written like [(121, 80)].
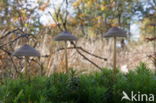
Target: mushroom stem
[(66, 57), (26, 67), (154, 46), (114, 56), (153, 37)]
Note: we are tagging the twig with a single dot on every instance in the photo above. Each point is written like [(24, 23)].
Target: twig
[(13, 31), (65, 21), (86, 57), (105, 59), (10, 42), (14, 64), (9, 54)]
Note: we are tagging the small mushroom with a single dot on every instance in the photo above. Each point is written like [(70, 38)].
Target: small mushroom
[(115, 32), (154, 42), (65, 36), (26, 51), (154, 32)]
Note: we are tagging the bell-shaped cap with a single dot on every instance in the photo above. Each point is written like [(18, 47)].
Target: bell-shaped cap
[(65, 36), (115, 32), (26, 50)]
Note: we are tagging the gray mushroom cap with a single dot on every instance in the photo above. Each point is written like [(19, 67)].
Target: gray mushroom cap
[(115, 32), (26, 50), (65, 36), (153, 24)]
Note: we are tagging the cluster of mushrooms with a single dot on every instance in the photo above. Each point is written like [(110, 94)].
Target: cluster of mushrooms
[(28, 51)]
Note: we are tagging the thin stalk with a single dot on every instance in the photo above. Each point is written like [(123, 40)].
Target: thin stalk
[(154, 47), (154, 37), (66, 57), (114, 56), (26, 66)]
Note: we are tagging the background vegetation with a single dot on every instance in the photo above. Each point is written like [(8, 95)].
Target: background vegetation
[(35, 22)]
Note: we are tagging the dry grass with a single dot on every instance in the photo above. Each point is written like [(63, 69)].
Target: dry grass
[(127, 58)]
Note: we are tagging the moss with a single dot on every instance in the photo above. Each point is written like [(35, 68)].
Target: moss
[(98, 87)]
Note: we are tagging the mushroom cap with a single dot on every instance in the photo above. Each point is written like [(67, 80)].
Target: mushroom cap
[(153, 24), (115, 32), (26, 50), (65, 36)]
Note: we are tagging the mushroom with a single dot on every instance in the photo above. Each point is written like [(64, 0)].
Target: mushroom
[(154, 32), (154, 42), (115, 32), (65, 36), (26, 51)]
